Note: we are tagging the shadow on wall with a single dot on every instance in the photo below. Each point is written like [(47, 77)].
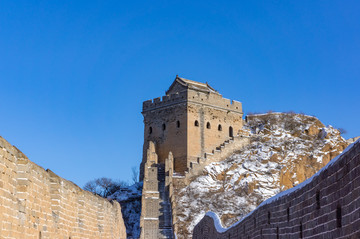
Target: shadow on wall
[(326, 205)]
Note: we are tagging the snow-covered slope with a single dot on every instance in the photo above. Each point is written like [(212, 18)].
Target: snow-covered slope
[(130, 201), (285, 150)]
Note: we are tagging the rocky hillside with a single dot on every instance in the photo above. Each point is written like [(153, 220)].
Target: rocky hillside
[(285, 149)]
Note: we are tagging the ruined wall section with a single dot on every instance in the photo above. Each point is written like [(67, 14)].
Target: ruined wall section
[(150, 202), (36, 203), (326, 206)]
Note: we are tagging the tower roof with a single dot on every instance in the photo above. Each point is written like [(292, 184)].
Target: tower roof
[(180, 84)]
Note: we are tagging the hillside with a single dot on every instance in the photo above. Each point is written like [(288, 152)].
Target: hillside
[(285, 149), (130, 200)]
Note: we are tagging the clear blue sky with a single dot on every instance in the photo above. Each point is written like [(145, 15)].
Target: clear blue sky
[(74, 74)]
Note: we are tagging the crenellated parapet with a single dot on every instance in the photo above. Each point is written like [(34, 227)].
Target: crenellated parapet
[(182, 131), (165, 101), (191, 96), (218, 154), (190, 119), (214, 100)]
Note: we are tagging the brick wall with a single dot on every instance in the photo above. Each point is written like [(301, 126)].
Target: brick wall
[(189, 123), (37, 204), (325, 206)]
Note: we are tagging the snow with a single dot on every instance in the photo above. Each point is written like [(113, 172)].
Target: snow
[(307, 181), (217, 222), (236, 186), (130, 201)]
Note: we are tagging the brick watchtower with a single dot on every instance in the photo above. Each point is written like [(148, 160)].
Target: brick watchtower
[(190, 120)]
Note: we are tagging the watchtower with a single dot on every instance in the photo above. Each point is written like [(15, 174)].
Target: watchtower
[(190, 120)]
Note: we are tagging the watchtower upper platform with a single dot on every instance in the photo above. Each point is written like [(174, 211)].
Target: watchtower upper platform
[(184, 90)]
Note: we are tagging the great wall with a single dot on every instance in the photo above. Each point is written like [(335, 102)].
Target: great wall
[(186, 130), (192, 126), (36, 204), (325, 206)]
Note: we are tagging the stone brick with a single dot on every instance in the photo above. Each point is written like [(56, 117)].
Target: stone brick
[(316, 223), (187, 122), (29, 194)]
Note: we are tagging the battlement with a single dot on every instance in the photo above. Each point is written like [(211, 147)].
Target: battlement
[(164, 101), (220, 153), (214, 100), (192, 96)]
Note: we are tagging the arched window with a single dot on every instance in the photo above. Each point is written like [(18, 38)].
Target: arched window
[(196, 123), (178, 124), (150, 130), (231, 133), (208, 126), (219, 127), (163, 126)]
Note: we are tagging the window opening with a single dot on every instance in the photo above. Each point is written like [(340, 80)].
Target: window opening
[(231, 134), (338, 216), (196, 123), (219, 127), (208, 126), (288, 214)]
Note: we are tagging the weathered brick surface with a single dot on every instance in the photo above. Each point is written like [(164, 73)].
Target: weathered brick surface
[(36, 203), (189, 122), (327, 207)]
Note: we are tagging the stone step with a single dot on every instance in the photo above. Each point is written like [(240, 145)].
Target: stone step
[(165, 219)]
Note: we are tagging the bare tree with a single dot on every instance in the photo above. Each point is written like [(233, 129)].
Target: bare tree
[(135, 174), (104, 186), (91, 186)]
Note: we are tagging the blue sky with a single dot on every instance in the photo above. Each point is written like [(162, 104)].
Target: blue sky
[(74, 74)]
